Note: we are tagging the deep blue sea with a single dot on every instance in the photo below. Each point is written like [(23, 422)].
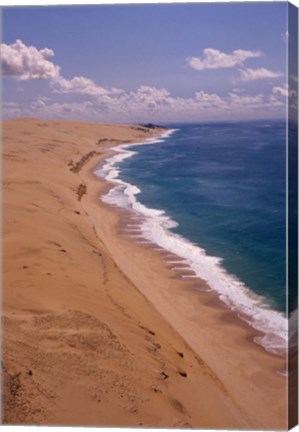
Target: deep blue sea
[(216, 195)]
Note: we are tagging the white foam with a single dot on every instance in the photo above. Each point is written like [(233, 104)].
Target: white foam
[(155, 227)]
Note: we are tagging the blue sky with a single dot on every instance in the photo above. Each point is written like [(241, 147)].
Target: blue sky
[(124, 63)]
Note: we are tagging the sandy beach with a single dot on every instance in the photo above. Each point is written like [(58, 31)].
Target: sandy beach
[(97, 329)]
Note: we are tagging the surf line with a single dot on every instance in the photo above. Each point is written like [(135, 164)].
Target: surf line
[(155, 227)]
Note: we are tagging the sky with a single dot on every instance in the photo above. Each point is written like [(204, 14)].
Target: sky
[(146, 63)]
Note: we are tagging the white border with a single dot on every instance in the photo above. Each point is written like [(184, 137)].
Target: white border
[(111, 2), (10, 3)]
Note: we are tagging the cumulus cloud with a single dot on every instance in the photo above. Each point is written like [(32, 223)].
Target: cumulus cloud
[(255, 74), (215, 59), (144, 99), (27, 62), (81, 85), (209, 100), (150, 97)]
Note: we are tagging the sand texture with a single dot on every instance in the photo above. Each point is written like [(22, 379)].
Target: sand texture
[(97, 330)]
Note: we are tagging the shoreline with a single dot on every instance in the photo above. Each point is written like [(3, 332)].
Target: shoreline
[(209, 303), (119, 335), (109, 170)]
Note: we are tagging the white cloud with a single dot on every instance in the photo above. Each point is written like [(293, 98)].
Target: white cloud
[(209, 100), (150, 97), (280, 91), (81, 85), (284, 91), (215, 59), (284, 96), (255, 74), (27, 62), (144, 99)]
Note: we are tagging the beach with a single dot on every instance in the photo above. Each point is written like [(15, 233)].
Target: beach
[(97, 329)]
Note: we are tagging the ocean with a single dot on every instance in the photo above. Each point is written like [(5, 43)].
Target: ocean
[(215, 194)]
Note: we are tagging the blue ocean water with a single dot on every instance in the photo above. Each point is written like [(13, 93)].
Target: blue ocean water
[(222, 188)]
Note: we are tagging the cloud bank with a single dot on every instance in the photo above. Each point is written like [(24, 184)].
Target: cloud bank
[(158, 104), (145, 103)]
